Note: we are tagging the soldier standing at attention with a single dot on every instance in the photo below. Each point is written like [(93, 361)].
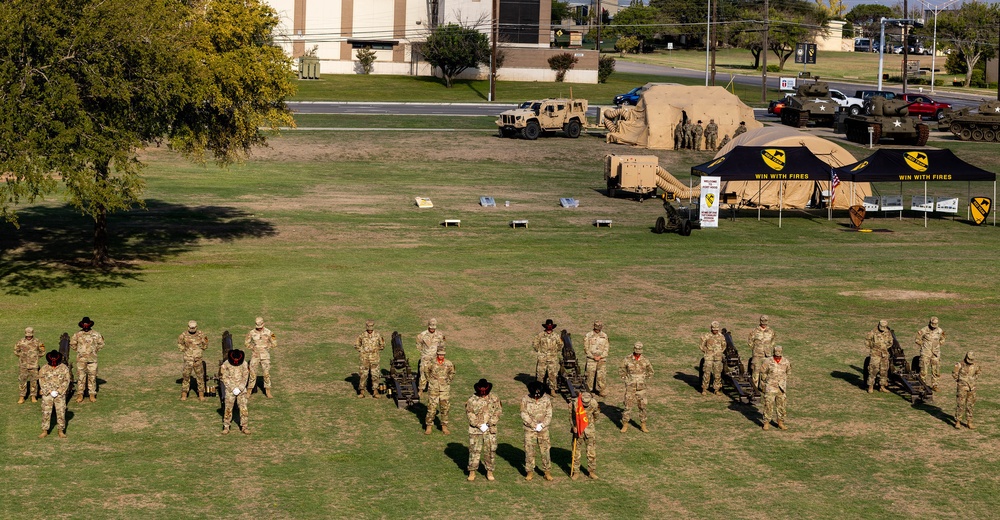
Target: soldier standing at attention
[(536, 415), (87, 343), (760, 341), (742, 129), (712, 346), (235, 376), (28, 350), (878, 341), (966, 373), (635, 370), (428, 342), (369, 346), (698, 132), (193, 344), (597, 348), (774, 383), (547, 346), (688, 135), (589, 436), (930, 339), (483, 411), (440, 374), (711, 134), (55, 383), (260, 340), (679, 135)]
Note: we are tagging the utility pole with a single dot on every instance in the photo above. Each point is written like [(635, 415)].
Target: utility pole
[(714, 34), (763, 53), (906, 43), (494, 30), (600, 21)]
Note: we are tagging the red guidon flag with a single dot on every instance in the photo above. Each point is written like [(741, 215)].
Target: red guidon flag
[(581, 416)]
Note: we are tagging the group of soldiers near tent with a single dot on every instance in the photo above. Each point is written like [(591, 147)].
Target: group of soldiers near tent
[(53, 380), (687, 135)]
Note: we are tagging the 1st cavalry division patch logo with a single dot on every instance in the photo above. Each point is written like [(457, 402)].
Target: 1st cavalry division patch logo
[(980, 207), (774, 158), (717, 162), (710, 199), (916, 160), (857, 215), (861, 165)]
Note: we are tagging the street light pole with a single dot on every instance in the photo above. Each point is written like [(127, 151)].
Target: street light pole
[(708, 38), (763, 53), (936, 9), (881, 51), (493, 52)]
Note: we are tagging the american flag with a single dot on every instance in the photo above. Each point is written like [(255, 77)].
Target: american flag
[(833, 187)]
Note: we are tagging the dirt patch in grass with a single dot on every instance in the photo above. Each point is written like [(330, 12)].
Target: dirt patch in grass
[(900, 294)]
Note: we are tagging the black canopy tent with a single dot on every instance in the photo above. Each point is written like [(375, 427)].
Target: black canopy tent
[(902, 165), (767, 163)]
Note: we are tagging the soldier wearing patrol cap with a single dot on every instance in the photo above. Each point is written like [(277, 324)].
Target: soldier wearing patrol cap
[(192, 345), (760, 341), (635, 371), (929, 340), (440, 374), (28, 350), (369, 346), (428, 342), (260, 340), (878, 342), (713, 345), (597, 347), (774, 385), (966, 373)]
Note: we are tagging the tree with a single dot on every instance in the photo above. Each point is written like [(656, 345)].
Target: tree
[(682, 17), (561, 63), (627, 44), (454, 48), (366, 57), (832, 8), (85, 84), (605, 67), (867, 18), (560, 11), (635, 20), (972, 30)]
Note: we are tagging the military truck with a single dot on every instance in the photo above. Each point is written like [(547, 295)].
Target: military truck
[(889, 119), (811, 102), (981, 126), (544, 117)]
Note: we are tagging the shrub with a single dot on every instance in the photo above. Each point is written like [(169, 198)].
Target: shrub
[(605, 66), (366, 57), (562, 63)]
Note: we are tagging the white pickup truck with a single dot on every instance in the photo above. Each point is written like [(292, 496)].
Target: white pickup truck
[(853, 105)]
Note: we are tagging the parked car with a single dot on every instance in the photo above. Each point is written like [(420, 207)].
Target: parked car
[(865, 94), (924, 106), (631, 97), (862, 45), (854, 105), (776, 105)]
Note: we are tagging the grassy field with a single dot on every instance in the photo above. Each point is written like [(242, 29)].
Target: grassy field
[(320, 232)]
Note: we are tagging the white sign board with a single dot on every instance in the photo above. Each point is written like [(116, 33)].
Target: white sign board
[(892, 203), (786, 83), (920, 203), (708, 202), (670, 46), (871, 203), (947, 205)]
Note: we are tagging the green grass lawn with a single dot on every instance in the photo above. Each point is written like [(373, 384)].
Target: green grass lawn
[(320, 232)]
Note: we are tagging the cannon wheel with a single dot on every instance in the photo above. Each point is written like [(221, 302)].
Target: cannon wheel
[(868, 362), (685, 229), (661, 225)]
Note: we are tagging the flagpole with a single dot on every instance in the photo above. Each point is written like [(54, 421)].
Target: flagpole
[(572, 470)]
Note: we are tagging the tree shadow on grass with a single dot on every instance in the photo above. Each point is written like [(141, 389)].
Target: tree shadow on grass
[(54, 245)]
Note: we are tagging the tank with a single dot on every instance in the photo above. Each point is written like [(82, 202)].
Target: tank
[(811, 102), (889, 119), (981, 126)]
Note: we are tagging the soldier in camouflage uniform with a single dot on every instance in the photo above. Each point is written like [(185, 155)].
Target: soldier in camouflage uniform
[(597, 348), (679, 135), (54, 378), (712, 346), (369, 346), (774, 384), (635, 371), (548, 347), (428, 342), (193, 344), (711, 135), (536, 415), (724, 142), (698, 132), (742, 129), (259, 341), (760, 342), (440, 374), (589, 437), (28, 350), (878, 342), (87, 343), (929, 340), (235, 377), (483, 411), (966, 373), (688, 135)]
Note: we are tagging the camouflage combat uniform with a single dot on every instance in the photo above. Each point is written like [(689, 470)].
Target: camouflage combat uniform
[(688, 135), (760, 342), (439, 378), (929, 340), (533, 413), (86, 343), (28, 350), (193, 346), (966, 373), (774, 383), (427, 344), (698, 132), (235, 378), (712, 346), (260, 342), (589, 436), (547, 346), (879, 340), (679, 135), (483, 410), (742, 129), (711, 135), (597, 347), (724, 142), (54, 379), (635, 372), (369, 346)]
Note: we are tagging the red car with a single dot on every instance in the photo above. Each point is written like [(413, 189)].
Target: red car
[(924, 106)]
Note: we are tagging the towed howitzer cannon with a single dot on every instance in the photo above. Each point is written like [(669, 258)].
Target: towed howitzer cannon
[(570, 380), (905, 372), (982, 126), (887, 119), (218, 387), (736, 373), (674, 221), (64, 350), (401, 381)]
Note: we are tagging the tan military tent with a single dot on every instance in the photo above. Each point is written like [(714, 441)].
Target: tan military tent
[(795, 194), (651, 123)]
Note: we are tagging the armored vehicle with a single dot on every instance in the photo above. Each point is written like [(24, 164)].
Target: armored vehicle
[(889, 119), (535, 118), (811, 101), (981, 126)]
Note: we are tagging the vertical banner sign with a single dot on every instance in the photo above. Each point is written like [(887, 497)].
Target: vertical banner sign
[(709, 203), (800, 53), (811, 53)]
